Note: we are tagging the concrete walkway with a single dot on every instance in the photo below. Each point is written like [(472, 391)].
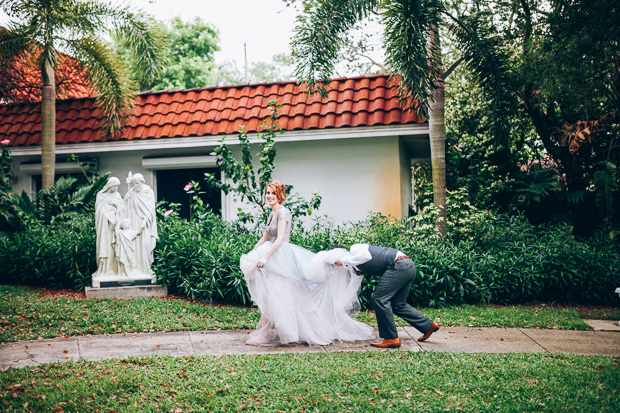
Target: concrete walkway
[(604, 340)]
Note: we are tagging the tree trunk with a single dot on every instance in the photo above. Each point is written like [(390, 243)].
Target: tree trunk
[(437, 136), (48, 126)]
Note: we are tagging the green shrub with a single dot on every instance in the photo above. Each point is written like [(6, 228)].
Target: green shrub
[(57, 255), (200, 258), (495, 259), (498, 259)]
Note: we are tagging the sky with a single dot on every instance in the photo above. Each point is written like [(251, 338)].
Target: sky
[(265, 26)]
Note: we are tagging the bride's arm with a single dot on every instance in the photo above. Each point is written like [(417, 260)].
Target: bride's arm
[(262, 240), (276, 244)]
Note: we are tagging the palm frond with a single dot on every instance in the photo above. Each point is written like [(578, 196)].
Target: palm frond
[(483, 53), (318, 35), (14, 41), (538, 184), (146, 39), (108, 75), (141, 35), (12, 7), (83, 199), (408, 25)]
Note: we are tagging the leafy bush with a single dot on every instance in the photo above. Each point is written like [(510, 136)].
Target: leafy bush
[(249, 183), (200, 258), (65, 200), (485, 258), (499, 259), (57, 255)]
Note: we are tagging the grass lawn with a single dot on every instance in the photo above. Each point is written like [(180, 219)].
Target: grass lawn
[(327, 382), (29, 313), (363, 381)]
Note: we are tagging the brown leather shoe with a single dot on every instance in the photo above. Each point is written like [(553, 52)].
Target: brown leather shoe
[(388, 343), (434, 327)]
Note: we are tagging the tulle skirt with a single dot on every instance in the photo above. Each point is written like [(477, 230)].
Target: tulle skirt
[(303, 297)]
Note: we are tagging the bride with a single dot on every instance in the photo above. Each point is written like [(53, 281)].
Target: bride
[(302, 296)]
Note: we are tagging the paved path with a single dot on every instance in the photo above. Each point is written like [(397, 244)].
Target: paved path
[(604, 340)]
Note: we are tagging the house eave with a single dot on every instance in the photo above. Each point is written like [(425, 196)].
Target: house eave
[(411, 130)]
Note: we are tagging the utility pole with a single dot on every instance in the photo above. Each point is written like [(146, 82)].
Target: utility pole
[(245, 56)]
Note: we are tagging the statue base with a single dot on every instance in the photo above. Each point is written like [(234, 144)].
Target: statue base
[(115, 280), (127, 292)]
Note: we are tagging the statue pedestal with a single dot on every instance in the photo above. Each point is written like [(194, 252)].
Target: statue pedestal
[(127, 292), (125, 287), (106, 281)]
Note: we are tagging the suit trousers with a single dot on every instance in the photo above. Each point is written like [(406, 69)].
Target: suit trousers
[(390, 297)]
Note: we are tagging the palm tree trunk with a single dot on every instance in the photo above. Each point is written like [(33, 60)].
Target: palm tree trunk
[(437, 136), (48, 126)]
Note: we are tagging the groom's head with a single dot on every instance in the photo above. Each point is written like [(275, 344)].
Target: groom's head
[(333, 247)]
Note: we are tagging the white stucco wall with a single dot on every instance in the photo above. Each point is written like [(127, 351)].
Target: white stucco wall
[(354, 175)]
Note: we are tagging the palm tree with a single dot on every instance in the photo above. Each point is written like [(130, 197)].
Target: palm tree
[(46, 30), (412, 45)]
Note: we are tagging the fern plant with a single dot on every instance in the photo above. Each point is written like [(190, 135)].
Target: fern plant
[(63, 201)]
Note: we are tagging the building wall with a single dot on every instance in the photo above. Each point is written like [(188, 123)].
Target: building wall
[(353, 176)]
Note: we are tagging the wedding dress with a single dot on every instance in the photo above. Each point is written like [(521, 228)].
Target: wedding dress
[(304, 296)]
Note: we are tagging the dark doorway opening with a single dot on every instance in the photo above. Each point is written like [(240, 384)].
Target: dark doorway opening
[(171, 188), (37, 180)]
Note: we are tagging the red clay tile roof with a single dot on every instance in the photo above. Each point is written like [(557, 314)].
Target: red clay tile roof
[(20, 77), (358, 101)]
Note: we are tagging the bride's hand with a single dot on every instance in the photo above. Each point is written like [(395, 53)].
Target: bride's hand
[(338, 263), (262, 262)]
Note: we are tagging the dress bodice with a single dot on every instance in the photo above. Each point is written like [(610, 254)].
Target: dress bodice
[(272, 224)]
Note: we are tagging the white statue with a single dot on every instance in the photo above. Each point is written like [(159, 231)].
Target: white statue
[(109, 209), (125, 247), (126, 233), (140, 204)]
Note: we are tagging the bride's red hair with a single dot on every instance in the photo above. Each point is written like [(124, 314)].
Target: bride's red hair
[(279, 189)]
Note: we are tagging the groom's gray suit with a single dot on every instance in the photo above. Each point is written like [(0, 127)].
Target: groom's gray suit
[(397, 272)]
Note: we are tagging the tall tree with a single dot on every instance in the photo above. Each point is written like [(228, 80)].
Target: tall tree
[(412, 45), (190, 61), (45, 29), (564, 75)]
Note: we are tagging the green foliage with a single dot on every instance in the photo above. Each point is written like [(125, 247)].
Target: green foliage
[(6, 176), (321, 32), (60, 254), (542, 96), (278, 70), (87, 166), (190, 62), (200, 258), (537, 184), (248, 182), (484, 258), (65, 200), (605, 184), (50, 240)]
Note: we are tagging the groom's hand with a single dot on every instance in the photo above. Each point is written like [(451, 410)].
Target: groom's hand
[(338, 263)]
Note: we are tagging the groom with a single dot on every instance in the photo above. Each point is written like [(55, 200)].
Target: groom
[(397, 272)]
